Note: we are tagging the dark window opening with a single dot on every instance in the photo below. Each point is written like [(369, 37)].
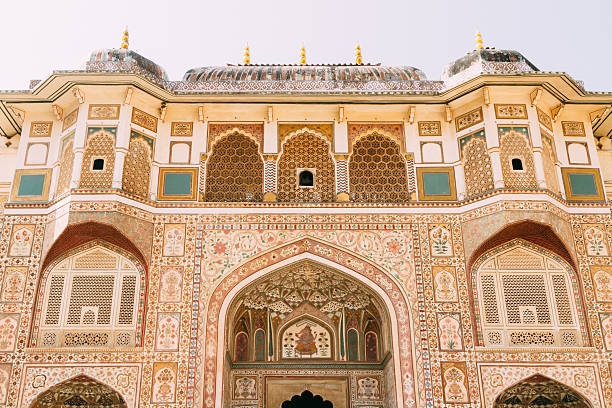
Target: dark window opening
[(306, 179), (517, 164), (98, 164)]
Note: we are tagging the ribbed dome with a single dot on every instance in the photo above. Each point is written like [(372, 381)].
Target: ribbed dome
[(360, 73), (100, 58)]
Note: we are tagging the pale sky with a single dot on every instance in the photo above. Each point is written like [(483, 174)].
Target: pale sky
[(568, 36)]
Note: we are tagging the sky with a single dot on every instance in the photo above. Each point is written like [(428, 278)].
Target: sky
[(555, 35)]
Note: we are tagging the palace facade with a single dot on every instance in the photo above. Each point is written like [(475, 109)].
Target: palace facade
[(257, 236)]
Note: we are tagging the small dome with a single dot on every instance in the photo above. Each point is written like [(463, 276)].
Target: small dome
[(107, 59), (489, 61), (323, 72)]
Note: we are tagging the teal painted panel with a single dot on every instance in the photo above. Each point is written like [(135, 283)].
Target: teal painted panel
[(177, 184), (31, 185), (583, 184), (436, 184)]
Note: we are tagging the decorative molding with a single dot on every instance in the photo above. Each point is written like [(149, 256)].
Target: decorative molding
[(103, 112), (181, 129), (430, 128), (505, 111), (469, 119), (41, 129), (573, 129), (144, 119)]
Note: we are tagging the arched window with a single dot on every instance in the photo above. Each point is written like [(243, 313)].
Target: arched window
[(353, 345), (377, 171), (526, 298), (303, 154), (517, 164), (371, 346), (91, 300), (260, 345), (234, 171), (241, 350)]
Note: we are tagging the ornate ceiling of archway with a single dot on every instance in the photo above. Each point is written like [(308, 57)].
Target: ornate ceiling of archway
[(307, 282), (80, 391), (539, 391)]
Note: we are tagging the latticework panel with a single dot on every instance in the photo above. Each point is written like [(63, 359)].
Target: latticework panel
[(527, 301), (548, 160), (306, 151), (99, 145), (91, 293), (515, 145), (527, 291), (65, 171), (377, 171), (137, 167), (477, 167), (234, 171), (90, 302)]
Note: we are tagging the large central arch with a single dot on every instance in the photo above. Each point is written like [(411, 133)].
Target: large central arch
[(344, 262)]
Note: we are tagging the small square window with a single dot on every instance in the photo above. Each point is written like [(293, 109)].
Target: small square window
[(306, 178), (97, 164), (517, 164)]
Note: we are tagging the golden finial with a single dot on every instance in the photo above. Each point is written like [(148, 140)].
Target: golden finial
[(358, 56), (125, 39), (479, 44), (246, 60), (303, 55)]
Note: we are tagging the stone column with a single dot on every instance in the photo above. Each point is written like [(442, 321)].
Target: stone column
[(493, 145), (270, 149), (80, 136), (122, 144)]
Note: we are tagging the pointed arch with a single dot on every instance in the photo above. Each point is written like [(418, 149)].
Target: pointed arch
[(234, 168), (378, 169), (80, 233), (107, 241), (137, 166), (80, 391), (540, 234), (322, 252), (526, 295), (306, 347), (386, 131), (100, 144), (306, 149), (237, 130), (541, 391)]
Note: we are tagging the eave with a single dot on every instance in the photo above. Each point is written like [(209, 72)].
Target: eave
[(59, 85)]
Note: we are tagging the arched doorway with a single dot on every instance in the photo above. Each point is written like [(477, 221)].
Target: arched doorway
[(307, 400), (308, 325), (540, 391), (80, 391), (397, 364)]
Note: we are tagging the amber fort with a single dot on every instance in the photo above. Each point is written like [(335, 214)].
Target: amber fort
[(349, 235)]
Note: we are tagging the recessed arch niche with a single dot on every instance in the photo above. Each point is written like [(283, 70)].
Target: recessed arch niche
[(80, 391), (540, 391), (308, 322), (307, 310)]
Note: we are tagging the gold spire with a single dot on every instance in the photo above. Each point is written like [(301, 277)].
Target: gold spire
[(358, 56), (246, 60), (125, 39), (479, 44), (303, 55)]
